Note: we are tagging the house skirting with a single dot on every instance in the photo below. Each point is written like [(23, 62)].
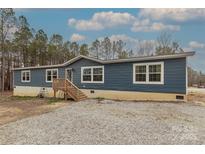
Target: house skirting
[(35, 91), (107, 94), (132, 95)]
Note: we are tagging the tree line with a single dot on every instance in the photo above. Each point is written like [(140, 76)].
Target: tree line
[(195, 78), (22, 46)]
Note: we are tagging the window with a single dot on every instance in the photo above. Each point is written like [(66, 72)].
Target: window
[(154, 73), (25, 76), (87, 74), (148, 73), (97, 74), (92, 74), (140, 74), (51, 74)]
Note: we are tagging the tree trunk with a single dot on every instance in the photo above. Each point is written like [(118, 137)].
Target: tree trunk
[(9, 71), (2, 71)]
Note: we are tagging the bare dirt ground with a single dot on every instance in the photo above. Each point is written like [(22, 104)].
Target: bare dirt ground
[(15, 108), (196, 95)]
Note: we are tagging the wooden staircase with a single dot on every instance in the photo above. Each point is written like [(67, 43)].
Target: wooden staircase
[(69, 89)]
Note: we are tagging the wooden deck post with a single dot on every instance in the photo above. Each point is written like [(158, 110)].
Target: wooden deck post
[(54, 93), (66, 96)]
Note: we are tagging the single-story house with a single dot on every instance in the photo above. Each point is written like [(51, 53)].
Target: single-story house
[(162, 77)]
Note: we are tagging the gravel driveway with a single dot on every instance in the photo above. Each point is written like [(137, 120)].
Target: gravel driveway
[(111, 122)]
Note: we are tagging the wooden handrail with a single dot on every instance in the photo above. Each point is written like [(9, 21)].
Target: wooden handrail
[(72, 84)]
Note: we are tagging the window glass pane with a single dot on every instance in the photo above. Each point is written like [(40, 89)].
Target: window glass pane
[(155, 68), (140, 69), (55, 73), (48, 78), (86, 77), (48, 72), (27, 76), (140, 77), (97, 70), (27, 73), (151, 68), (87, 71), (97, 77), (23, 76), (155, 77), (158, 68)]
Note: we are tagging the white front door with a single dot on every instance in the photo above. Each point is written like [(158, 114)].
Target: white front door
[(69, 74)]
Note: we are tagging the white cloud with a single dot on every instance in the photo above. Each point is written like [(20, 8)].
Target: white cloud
[(102, 20), (147, 26), (85, 24), (196, 45), (173, 14), (77, 37)]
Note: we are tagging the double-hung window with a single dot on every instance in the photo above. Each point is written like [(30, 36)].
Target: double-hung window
[(87, 74), (92, 74), (155, 73), (140, 73), (148, 73), (51, 74), (98, 74), (26, 76)]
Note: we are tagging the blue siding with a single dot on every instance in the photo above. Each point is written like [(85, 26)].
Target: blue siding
[(38, 78), (77, 72), (118, 76)]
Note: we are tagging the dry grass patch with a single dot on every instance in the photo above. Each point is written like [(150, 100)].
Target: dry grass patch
[(196, 97), (13, 108)]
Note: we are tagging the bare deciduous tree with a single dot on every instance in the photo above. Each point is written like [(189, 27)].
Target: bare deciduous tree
[(145, 48), (95, 49), (165, 45)]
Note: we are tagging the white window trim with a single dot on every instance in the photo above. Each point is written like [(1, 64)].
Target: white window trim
[(147, 73), (25, 76), (51, 76), (92, 67)]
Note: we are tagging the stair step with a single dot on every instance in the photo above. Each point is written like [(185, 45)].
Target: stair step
[(71, 90), (83, 97)]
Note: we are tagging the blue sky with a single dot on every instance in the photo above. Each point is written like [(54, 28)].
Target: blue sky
[(131, 25)]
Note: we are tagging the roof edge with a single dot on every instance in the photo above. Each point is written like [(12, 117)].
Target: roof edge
[(147, 58)]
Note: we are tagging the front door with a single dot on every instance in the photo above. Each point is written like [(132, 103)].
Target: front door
[(69, 74)]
